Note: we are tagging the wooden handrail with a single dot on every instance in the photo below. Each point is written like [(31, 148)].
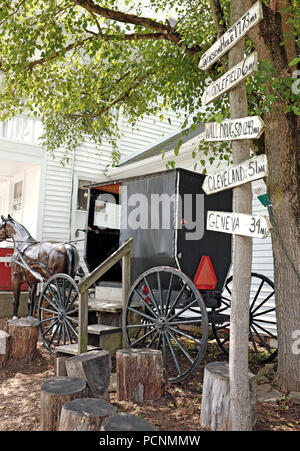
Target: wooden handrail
[(86, 282)]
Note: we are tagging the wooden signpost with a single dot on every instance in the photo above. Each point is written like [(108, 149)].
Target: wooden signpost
[(231, 78), (252, 17), (254, 226), (236, 175), (233, 129)]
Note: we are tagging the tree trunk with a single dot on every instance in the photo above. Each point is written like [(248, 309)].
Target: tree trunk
[(282, 146), (55, 392), (24, 336), (84, 414), (215, 406), (126, 422), (4, 348), (140, 374), (242, 259)]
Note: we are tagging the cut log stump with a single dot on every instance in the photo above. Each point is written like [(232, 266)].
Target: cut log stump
[(55, 392), (85, 414), (4, 348), (24, 336), (94, 368), (126, 422), (140, 375), (215, 408)]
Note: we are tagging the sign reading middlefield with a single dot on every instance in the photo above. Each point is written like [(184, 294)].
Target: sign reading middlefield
[(233, 129), (254, 226), (232, 36), (247, 171), (231, 78)]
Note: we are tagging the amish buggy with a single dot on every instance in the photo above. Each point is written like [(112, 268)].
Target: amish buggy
[(180, 286)]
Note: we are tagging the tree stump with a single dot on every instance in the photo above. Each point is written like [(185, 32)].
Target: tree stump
[(85, 414), (24, 336), (140, 374), (94, 368), (4, 348), (55, 392), (215, 408), (126, 422)]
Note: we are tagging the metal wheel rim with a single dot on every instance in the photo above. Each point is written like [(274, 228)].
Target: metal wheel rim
[(161, 319), (256, 324), (57, 313)]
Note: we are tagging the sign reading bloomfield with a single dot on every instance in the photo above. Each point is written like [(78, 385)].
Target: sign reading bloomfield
[(233, 129), (233, 35), (254, 226), (236, 175), (231, 78)]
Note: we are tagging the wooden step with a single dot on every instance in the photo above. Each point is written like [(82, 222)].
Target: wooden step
[(72, 349), (100, 329)]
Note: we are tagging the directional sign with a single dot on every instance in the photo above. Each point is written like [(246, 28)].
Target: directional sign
[(254, 226), (233, 129), (231, 78), (236, 175), (232, 36)]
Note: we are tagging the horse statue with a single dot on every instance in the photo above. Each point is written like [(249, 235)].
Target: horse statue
[(34, 262)]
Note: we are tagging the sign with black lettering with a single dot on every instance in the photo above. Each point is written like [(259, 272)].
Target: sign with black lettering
[(231, 78), (255, 226), (251, 18), (247, 171), (234, 129)]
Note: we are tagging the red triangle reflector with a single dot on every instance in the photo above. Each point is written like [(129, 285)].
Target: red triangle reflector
[(205, 278)]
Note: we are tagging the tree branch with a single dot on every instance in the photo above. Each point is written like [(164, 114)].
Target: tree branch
[(120, 99), (165, 29)]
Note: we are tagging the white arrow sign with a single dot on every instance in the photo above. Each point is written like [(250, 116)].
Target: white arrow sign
[(233, 129), (254, 226), (231, 78), (236, 175), (232, 36)]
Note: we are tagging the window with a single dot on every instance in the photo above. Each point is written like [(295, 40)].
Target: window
[(17, 196), (82, 195)]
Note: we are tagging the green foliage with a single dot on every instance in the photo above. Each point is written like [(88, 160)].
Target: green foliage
[(79, 71)]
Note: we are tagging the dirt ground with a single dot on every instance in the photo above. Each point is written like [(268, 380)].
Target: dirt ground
[(178, 410)]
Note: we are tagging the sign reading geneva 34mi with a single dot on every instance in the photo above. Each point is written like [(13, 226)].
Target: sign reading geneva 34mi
[(238, 223), (232, 36), (247, 171)]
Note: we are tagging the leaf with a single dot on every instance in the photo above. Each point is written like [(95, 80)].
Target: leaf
[(295, 61)]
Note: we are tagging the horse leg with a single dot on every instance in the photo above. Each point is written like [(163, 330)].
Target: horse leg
[(31, 298), (16, 285)]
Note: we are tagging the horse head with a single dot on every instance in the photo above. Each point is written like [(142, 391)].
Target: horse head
[(6, 229)]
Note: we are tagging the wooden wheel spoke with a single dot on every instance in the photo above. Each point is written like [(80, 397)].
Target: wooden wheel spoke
[(44, 309), (152, 297), (184, 334), (256, 294), (188, 356), (188, 321), (51, 303), (182, 310), (49, 328), (144, 336), (160, 292), (177, 299), (264, 312), (144, 315), (71, 327), (169, 294), (262, 303), (263, 329), (174, 355), (262, 342), (145, 303), (153, 340)]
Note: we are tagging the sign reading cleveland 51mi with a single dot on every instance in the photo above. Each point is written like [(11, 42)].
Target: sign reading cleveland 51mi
[(254, 226), (247, 171), (234, 129), (231, 78), (232, 36)]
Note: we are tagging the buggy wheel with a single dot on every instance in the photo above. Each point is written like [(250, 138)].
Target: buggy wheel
[(57, 313), (262, 326), (164, 310)]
